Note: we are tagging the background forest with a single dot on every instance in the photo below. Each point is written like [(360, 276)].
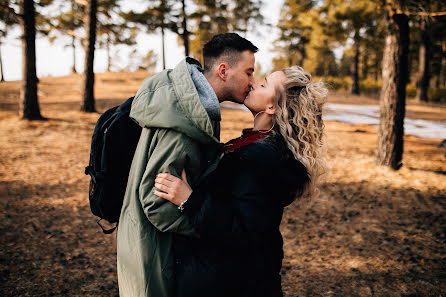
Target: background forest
[(341, 40)]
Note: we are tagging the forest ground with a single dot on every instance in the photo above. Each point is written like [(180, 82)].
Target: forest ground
[(371, 232)]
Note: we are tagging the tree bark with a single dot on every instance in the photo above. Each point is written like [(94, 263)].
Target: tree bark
[(185, 34), (393, 92), (1, 66), (163, 48), (377, 64), (443, 63), (423, 67), (108, 53), (302, 49), (29, 104), (365, 65), (355, 65), (73, 46), (88, 103)]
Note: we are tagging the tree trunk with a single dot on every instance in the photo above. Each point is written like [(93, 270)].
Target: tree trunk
[(29, 104), (73, 46), (365, 64), (423, 67), (108, 53), (2, 78), (377, 63), (302, 49), (393, 92), (443, 63), (354, 66), (88, 104), (163, 48), (185, 34)]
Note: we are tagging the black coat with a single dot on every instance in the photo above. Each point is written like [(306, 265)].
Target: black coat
[(237, 211)]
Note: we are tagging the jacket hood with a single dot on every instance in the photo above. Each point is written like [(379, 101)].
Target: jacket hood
[(170, 100)]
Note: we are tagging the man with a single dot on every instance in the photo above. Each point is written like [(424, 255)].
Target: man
[(180, 115)]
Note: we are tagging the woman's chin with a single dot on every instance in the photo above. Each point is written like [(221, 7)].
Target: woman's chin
[(251, 109), (247, 106)]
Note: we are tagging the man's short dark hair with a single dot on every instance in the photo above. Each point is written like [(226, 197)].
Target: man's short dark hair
[(228, 46)]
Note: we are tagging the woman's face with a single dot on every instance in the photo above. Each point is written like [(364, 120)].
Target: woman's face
[(262, 93)]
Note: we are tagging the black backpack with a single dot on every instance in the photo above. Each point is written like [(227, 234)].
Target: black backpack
[(113, 145)]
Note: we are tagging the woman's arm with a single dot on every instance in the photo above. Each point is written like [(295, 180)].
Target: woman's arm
[(236, 206)]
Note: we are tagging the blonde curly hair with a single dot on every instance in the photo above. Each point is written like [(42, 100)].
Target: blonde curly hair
[(299, 120)]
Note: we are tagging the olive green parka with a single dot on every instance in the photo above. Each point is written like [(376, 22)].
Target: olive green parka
[(177, 133)]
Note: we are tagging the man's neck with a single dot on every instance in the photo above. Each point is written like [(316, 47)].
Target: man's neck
[(215, 84)]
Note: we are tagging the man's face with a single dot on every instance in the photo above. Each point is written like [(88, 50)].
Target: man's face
[(240, 78)]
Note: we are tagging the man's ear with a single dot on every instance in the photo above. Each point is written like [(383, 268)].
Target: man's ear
[(222, 71)]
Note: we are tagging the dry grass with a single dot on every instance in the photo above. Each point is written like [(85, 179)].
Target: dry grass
[(372, 231)]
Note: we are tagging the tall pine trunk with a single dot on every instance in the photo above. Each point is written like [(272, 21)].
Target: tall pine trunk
[(443, 63), (354, 67), (88, 104), (163, 48), (393, 92), (2, 77), (365, 65), (73, 46), (423, 67), (185, 34), (377, 64), (29, 104), (108, 53)]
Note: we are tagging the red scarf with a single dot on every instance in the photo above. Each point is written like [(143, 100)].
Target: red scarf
[(248, 136)]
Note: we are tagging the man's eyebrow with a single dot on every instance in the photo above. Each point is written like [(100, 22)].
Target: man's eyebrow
[(266, 81)]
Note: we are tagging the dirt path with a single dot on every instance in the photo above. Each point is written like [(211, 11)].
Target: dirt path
[(371, 232)]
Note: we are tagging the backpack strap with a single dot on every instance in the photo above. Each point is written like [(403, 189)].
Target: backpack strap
[(106, 231)]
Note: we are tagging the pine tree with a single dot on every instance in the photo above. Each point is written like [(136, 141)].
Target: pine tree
[(346, 19), (67, 22), (88, 102), (372, 43), (246, 14), (393, 91), (211, 17), (320, 58), (431, 22), (423, 61), (297, 20), (112, 29), (8, 19), (29, 104), (26, 17), (163, 15)]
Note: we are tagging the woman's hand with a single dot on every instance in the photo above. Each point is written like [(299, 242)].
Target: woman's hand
[(173, 189)]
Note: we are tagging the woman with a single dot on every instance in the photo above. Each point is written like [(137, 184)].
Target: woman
[(237, 211)]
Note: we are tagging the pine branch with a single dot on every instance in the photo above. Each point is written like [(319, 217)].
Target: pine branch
[(393, 11), (423, 13)]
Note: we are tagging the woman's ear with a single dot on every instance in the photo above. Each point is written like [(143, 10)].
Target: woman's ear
[(222, 71), (271, 109)]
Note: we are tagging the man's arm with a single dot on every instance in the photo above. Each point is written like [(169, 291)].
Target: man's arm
[(172, 152)]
